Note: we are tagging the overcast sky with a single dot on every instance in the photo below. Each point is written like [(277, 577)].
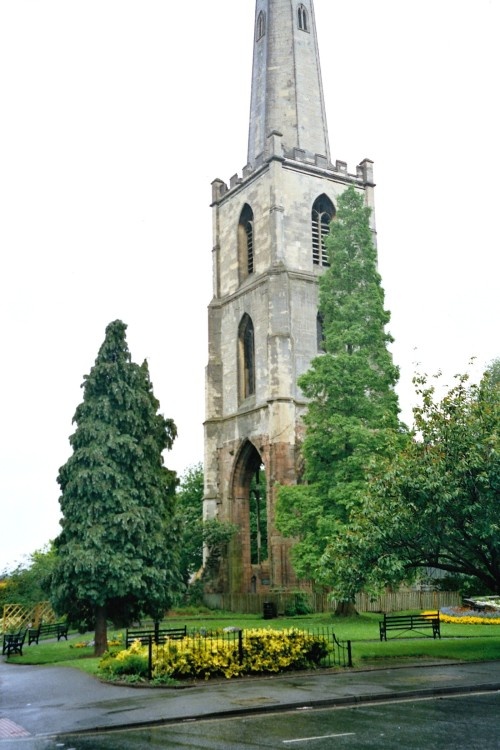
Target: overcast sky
[(116, 115)]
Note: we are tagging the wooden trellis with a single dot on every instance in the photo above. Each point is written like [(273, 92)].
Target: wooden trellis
[(16, 616)]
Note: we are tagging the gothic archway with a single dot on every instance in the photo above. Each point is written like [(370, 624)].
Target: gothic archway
[(248, 565)]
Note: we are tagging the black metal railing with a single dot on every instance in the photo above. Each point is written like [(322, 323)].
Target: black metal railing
[(334, 653)]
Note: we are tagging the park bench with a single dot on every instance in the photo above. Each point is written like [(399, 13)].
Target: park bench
[(403, 623), (57, 629), (156, 635), (13, 643)]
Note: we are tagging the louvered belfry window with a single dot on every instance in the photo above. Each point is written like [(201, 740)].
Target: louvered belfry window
[(322, 214), (245, 243)]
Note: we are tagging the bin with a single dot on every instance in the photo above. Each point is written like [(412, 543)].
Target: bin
[(270, 610)]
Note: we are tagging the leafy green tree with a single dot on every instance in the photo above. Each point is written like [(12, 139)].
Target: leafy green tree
[(198, 534), (437, 504), (28, 584), (190, 517), (117, 555), (352, 416), (258, 518)]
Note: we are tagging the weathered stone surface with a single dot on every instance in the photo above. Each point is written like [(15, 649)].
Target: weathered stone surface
[(288, 169)]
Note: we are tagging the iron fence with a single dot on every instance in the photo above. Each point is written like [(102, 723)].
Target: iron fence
[(335, 654)]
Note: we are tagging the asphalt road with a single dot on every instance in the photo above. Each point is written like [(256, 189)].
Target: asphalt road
[(462, 722), (42, 708)]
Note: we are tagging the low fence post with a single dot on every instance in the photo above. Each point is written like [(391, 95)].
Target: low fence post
[(150, 657), (240, 646), (349, 654)]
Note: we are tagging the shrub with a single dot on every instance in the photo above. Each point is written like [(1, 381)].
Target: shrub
[(132, 661), (196, 657), (299, 606)]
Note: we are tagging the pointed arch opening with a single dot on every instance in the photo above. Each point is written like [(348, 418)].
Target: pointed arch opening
[(249, 551), (258, 517), (302, 18), (261, 26), (322, 214), (245, 243), (246, 358)]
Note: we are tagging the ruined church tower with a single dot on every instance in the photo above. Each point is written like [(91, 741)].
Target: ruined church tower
[(263, 324)]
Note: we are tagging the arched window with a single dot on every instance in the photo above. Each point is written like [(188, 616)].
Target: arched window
[(302, 18), (323, 212), (245, 243), (246, 358), (261, 26), (320, 333)]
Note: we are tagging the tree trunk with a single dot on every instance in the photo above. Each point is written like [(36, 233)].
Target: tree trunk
[(346, 609), (101, 632)]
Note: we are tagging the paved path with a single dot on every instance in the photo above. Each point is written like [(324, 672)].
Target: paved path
[(41, 701)]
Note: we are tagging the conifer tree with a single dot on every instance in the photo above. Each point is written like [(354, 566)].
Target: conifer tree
[(117, 552), (353, 408)]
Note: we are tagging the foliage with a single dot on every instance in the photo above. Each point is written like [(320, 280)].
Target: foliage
[(190, 518), (264, 651), (465, 585), (197, 533), (437, 503), (258, 518), (299, 606), (216, 537), (131, 661), (352, 418), (117, 552), (29, 583)]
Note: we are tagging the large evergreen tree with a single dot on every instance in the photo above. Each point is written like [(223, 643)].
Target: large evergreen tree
[(117, 551), (353, 409)]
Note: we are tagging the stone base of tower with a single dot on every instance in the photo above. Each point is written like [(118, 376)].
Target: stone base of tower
[(238, 462)]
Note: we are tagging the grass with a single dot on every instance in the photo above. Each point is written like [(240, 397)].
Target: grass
[(470, 648), (458, 642)]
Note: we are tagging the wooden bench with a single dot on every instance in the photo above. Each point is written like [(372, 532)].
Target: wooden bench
[(13, 643), (157, 635), (403, 623), (57, 629)]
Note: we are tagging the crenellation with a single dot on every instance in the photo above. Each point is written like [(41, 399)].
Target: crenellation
[(235, 180), (315, 162), (321, 161)]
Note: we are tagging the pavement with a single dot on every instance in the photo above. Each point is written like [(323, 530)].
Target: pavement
[(40, 701)]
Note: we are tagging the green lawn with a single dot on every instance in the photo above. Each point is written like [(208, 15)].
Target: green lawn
[(458, 642)]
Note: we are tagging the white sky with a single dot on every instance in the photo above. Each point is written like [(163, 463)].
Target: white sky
[(116, 115)]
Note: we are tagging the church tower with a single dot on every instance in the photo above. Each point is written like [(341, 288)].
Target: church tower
[(263, 325)]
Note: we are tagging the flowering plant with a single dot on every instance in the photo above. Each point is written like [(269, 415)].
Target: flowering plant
[(262, 651), (467, 616)]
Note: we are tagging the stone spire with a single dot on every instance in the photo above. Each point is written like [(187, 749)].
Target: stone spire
[(287, 92)]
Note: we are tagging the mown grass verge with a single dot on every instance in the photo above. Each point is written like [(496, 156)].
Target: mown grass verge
[(459, 642)]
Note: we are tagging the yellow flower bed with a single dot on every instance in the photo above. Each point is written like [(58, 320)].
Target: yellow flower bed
[(467, 619), (263, 651)]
